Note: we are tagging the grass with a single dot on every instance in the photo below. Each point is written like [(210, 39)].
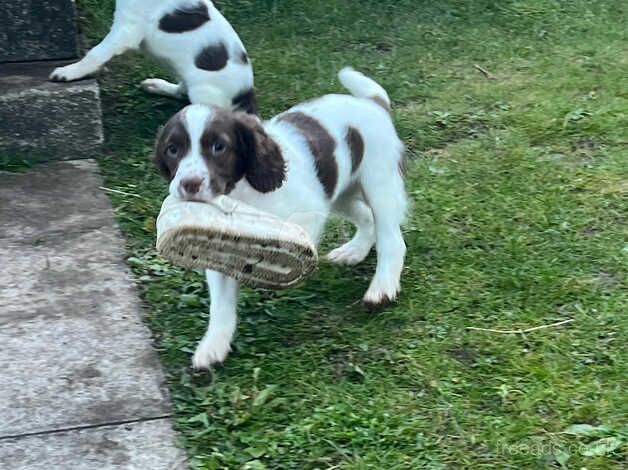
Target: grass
[(519, 219)]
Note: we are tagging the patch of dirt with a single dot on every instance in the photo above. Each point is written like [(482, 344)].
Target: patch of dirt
[(465, 355)]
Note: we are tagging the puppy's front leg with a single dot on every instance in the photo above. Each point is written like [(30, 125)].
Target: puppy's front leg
[(122, 37), (216, 343)]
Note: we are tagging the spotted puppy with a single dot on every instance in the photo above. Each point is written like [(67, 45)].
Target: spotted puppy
[(192, 37), (336, 153)]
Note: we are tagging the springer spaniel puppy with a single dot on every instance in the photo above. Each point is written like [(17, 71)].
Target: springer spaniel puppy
[(336, 153), (192, 37)]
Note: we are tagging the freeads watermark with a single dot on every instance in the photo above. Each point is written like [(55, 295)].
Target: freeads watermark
[(537, 448), (583, 440)]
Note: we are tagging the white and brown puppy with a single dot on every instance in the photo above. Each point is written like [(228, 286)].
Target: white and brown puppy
[(192, 37), (336, 153)]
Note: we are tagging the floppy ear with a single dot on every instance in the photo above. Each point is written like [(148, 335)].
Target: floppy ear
[(264, 166), (158, 159)]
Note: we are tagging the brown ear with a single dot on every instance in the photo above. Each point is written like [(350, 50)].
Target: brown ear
[(158, 160), (265, 168)]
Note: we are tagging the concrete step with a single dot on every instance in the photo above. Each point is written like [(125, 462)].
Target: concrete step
[(143, 445), (43, 121), (37, 30), (80, 384)]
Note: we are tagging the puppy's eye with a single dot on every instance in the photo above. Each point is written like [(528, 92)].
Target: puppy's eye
[(172, 150), (218, 148)]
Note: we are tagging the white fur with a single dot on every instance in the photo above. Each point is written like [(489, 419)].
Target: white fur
[(373, 198), (136, 22), (361, 86)]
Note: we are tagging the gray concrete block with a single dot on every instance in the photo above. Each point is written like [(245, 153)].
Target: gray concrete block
[(37, 30), (41, 120), (75, 351), (26, 211), (138, 446)]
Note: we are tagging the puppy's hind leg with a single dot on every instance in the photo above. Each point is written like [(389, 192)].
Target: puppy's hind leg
[(386, 196), (206, 93), (359, 213)]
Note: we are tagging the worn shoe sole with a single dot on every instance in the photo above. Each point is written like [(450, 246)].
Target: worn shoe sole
[(251, 246)]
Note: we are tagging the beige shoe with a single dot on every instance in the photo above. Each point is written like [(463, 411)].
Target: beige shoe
[(254, 247)]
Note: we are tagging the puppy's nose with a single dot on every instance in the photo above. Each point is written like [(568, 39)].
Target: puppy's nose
[(191, 186)]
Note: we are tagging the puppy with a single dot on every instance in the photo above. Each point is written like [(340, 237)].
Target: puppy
[(336, 153), (192, 37)]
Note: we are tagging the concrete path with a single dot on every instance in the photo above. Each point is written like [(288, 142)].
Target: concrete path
[(80, 385)]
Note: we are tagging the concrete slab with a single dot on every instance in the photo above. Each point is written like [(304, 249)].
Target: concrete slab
[(74, 349), (43, 121), (137, 446), (75, 353), (51, 202)]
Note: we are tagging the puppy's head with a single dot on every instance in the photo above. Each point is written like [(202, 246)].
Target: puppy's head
[(204, 151)]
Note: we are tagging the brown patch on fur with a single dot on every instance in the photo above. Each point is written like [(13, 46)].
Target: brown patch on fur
[(244, 58), (385, 302), (249, 153), (184, 19), (227, 168), (381, 102), (245, 101), (356, 146), (321, 144), (265, 166), (172, 135), (212, 58)]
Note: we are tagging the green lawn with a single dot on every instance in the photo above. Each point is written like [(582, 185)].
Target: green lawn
[(519, 217)]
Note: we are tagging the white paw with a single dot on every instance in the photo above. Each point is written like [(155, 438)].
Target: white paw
[(381, 294), (154, 85), (68, 73), (350, 253), (212, 349)]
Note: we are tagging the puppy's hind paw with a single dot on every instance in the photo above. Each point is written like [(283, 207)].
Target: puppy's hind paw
[(157, 86), (378, 297), (350, 253), (153, 85)]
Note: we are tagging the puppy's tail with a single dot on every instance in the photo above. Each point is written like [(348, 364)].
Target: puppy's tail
[(362, 86)]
